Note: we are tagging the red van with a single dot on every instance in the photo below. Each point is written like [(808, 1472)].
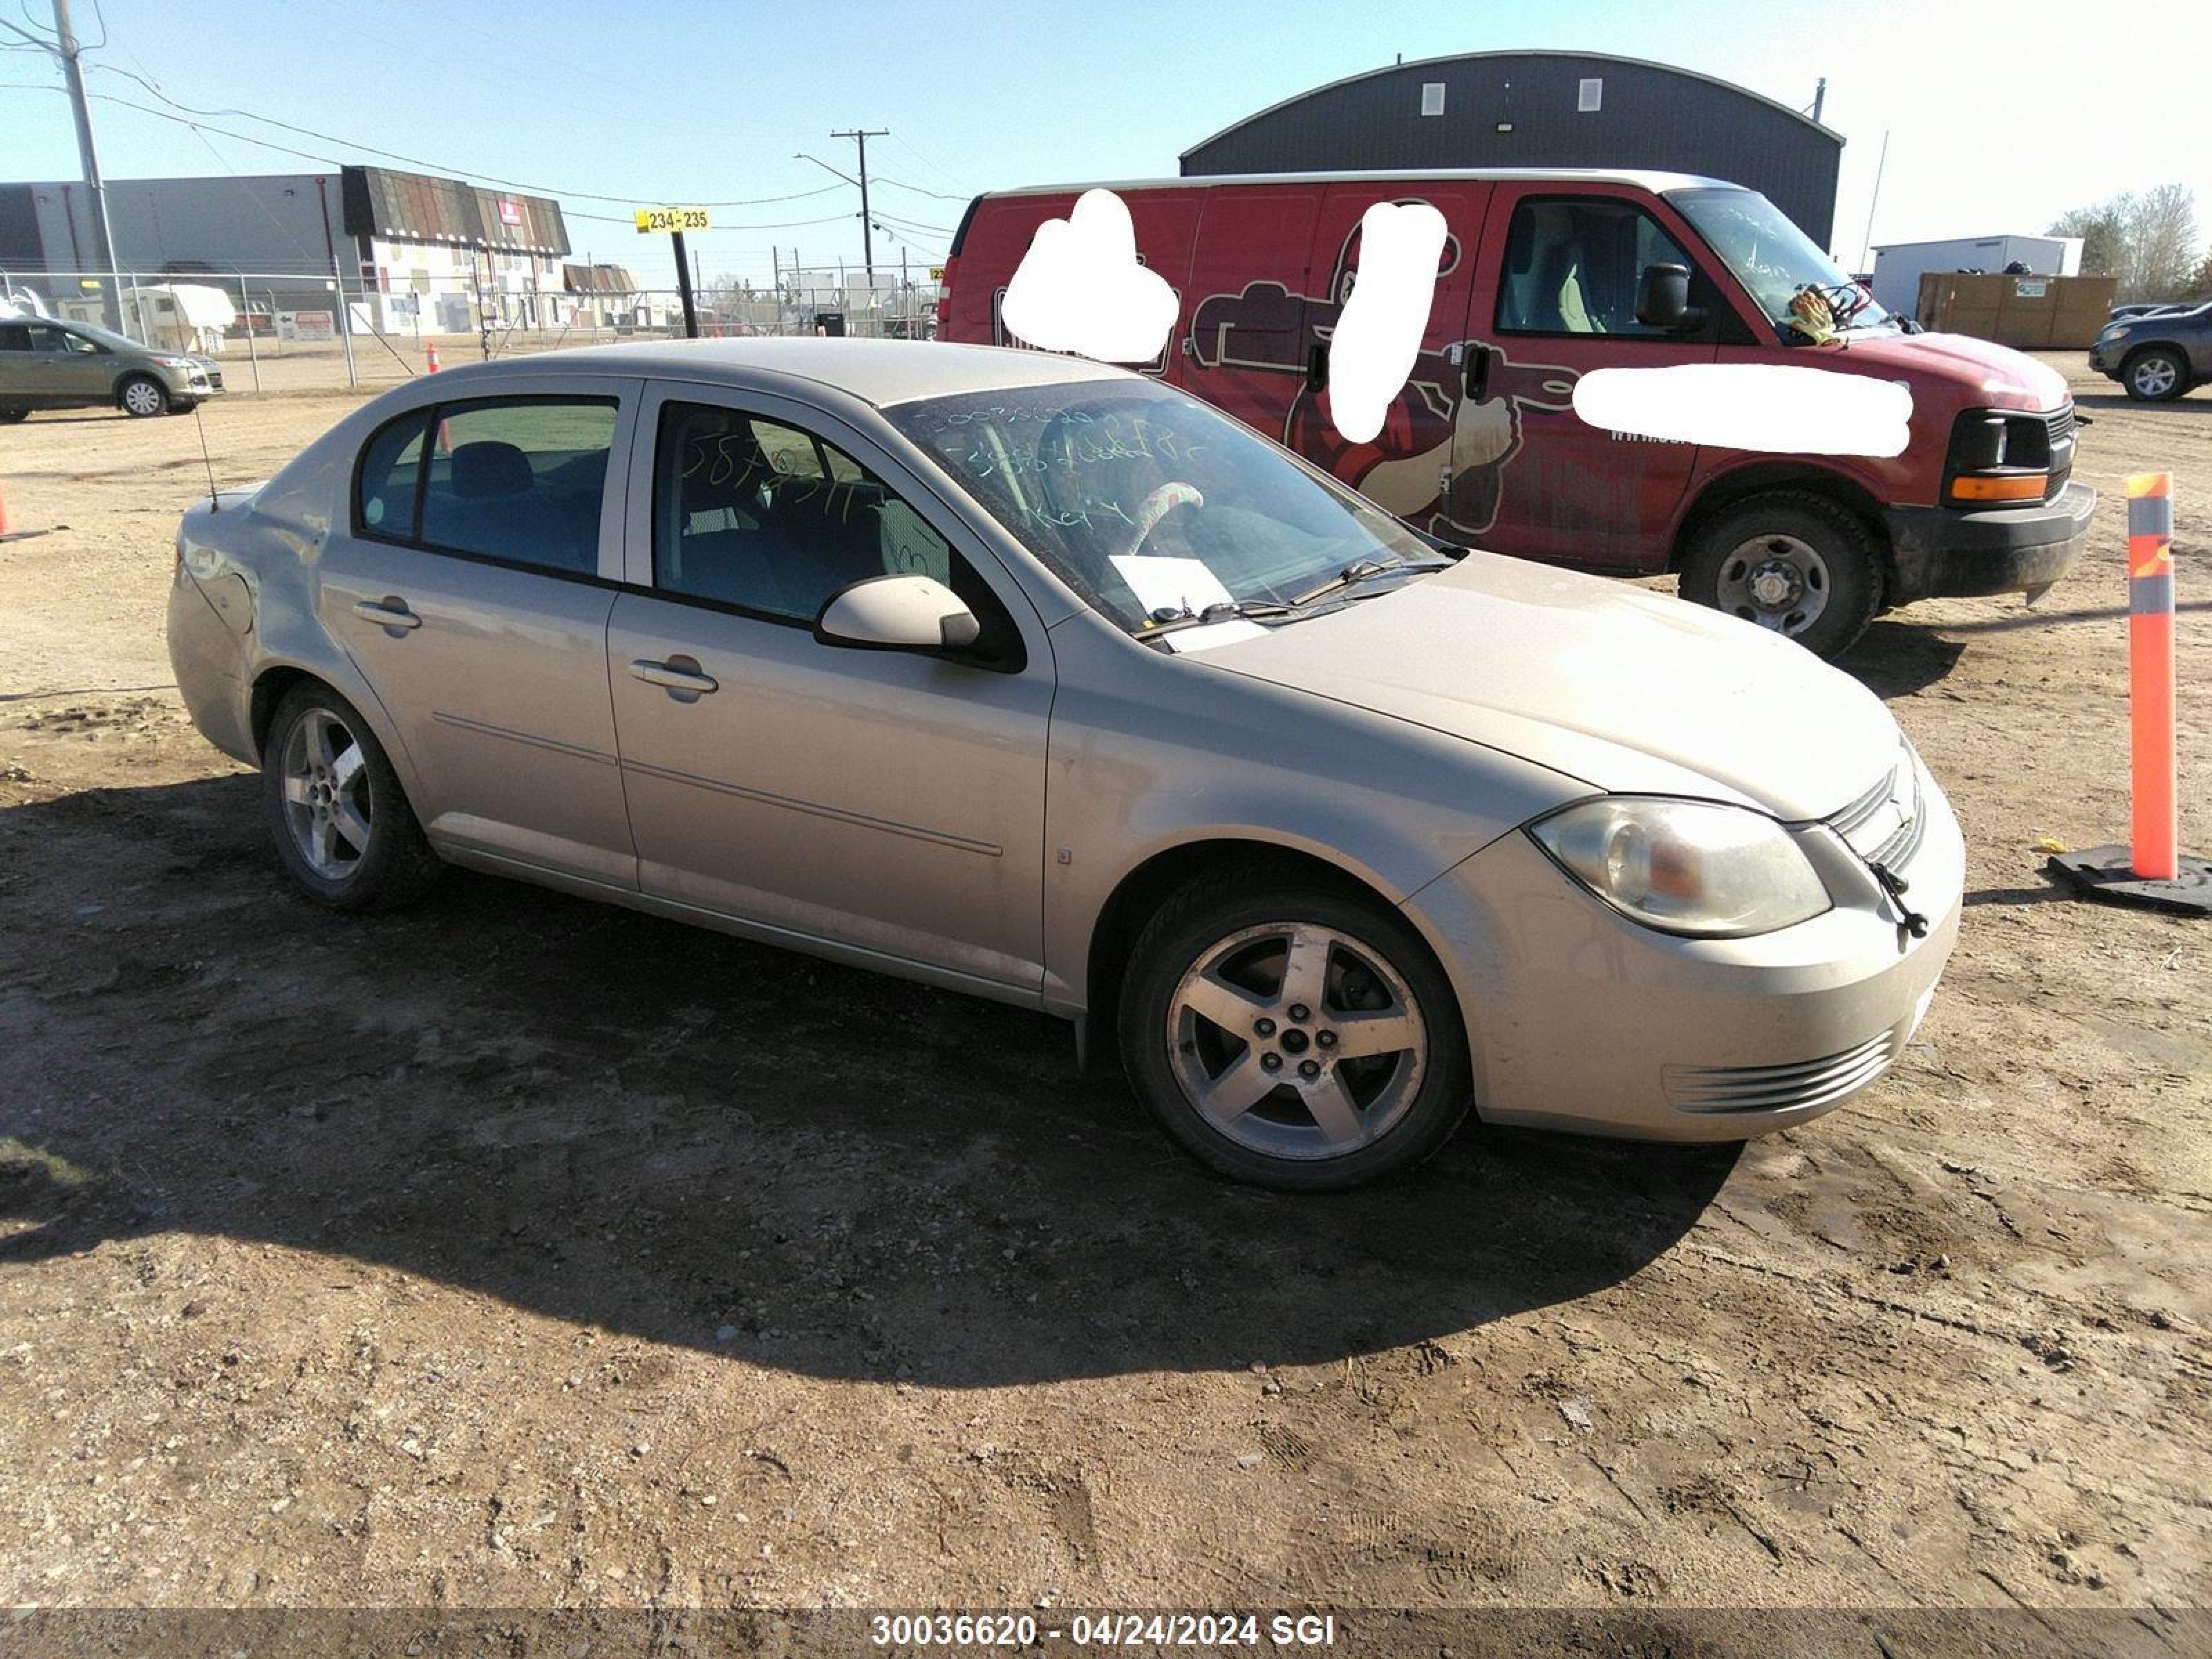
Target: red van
[(1544, 276)]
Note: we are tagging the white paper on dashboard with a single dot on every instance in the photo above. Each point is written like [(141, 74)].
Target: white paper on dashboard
[(1171, 584), (1213, 634)]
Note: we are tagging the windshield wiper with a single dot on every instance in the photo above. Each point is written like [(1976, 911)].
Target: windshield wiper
[(1360, 570), (1166, 619)]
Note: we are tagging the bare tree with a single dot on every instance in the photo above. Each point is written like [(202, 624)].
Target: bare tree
[(2147, 239)]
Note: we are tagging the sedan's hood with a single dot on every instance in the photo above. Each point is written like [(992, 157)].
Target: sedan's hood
[(1631, 691)]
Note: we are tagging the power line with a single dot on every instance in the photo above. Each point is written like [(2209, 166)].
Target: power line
[(332, 160), (416, 161)]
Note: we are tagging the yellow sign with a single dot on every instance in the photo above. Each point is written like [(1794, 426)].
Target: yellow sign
[(667, 219), (936, 273)]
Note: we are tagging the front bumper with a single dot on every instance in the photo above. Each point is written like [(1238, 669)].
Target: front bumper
[(1941, 552), (2105, 358), (1579, 1019)]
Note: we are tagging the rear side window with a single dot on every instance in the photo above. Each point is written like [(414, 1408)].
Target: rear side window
[(1572, 264), (518, 480), (390, 479)]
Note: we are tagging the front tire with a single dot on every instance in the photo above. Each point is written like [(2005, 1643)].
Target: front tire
[(141, 396), (1293, 1037), (2156, 376), (1793, 563), (343, 827), (9, 416)]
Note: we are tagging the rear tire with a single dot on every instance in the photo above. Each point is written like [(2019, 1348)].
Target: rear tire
[(2155, 376), (141, 396), (343, 827), (1791, 562), (1239, 1014), (9, 416)]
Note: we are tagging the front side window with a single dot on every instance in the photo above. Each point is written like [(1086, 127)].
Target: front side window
[(1151, 506), (1572, 264), (519, 479), (753, 513)]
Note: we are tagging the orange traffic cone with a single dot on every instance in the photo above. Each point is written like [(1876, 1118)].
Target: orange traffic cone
[(430, 352)]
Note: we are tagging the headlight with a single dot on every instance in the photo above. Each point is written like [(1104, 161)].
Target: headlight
[(174, 362), (2112, 334), (1685, 867)]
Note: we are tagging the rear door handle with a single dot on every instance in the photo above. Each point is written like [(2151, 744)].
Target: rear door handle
[(390, 611), (677, 674)]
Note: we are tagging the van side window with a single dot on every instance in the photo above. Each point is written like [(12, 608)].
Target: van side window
[(748, 512), (1572, 264)]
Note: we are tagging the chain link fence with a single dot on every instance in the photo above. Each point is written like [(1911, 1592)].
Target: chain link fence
[(275, 332)]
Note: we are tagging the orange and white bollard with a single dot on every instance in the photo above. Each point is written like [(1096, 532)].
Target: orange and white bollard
[(2150, 870), (430, 358), (2156, 829)]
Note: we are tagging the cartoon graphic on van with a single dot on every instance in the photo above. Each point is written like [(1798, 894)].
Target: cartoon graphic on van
[(1441, 456)]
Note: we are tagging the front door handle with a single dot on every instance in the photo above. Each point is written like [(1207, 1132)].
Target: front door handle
[(390, 611), (1478, 372), (677, 674)]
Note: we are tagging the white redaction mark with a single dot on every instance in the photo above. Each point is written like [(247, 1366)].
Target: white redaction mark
[(1378, 336), (1080, 288), (1783, 410)]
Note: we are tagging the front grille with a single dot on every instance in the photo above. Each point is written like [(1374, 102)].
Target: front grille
[(1885, 825), (2059, 427), (1777, 1088)]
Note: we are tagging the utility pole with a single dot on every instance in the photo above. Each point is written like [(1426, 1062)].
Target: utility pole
[(860, 136), (103, 240)]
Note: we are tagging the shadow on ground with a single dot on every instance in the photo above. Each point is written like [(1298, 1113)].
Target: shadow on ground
[(624, 1122), (1897, 659)]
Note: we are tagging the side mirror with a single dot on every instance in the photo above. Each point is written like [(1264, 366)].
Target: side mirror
[(1662, 300), (898, 613)]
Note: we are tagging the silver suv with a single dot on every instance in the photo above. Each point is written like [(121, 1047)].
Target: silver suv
[(48, 364)]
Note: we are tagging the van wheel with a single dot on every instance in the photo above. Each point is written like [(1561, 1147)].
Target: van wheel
[(9, 416), (2155, 376), (1293, 1037), (1794, 562), (341, 822), (143, 395)]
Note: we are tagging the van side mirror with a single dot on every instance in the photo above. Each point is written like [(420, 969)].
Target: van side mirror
[(896, 613), (1662, 300)]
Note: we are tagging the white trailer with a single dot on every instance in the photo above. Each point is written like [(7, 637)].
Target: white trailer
[(1898, 266)]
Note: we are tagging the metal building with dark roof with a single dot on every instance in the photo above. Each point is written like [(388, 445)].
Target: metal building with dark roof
[(1541, 109)]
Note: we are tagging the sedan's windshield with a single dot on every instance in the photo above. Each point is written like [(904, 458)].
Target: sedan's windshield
[(1152, 507), (1771, 257)]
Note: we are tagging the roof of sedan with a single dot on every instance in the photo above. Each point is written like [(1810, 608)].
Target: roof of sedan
[(879, 372)]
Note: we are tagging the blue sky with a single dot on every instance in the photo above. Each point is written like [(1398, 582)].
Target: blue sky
[(1997, 117)]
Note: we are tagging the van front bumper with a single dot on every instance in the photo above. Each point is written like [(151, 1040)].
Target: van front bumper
[(1941, 552), (1580, 1019)]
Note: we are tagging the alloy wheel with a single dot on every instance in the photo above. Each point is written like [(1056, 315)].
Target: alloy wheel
[(1296, 1041), (2153, 377), (327, 805)]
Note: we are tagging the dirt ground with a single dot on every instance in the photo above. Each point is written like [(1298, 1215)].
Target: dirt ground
[(514, 1252)]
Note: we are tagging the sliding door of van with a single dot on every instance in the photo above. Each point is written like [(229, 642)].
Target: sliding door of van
[(1246, 342), (1556, 298), (1406, 467)]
